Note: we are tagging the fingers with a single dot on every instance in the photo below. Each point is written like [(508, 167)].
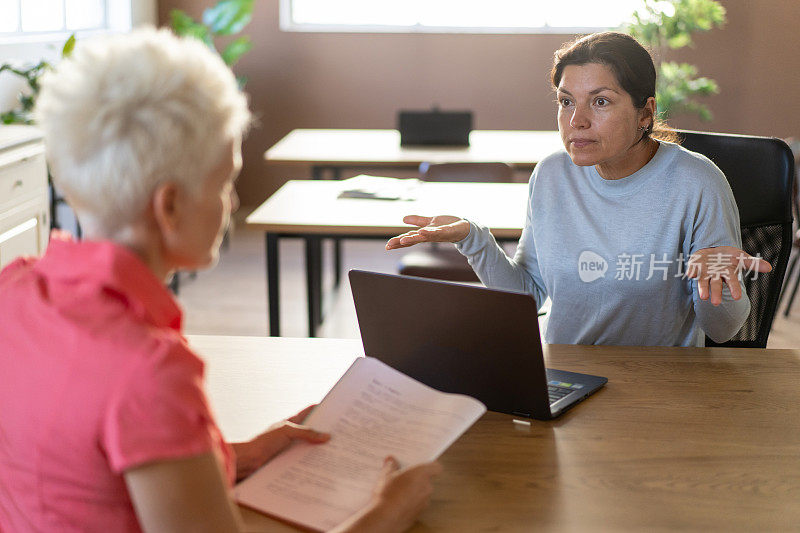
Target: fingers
[(734, 286), (295, 431), (299, 417), (715, 290), (702, 288), (427, 469), (417, 220), (390, 466), (405, 240), (713, 268), (754, 264)]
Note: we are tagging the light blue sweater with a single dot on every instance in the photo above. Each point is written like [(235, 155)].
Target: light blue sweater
[(610, 253)]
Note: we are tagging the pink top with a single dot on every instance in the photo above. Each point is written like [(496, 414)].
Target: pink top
[(95, 378)]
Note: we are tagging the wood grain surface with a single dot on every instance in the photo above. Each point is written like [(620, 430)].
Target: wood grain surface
[(680, 439)]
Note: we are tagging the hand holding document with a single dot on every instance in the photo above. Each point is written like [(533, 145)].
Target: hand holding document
[(372, 412), (379, 188)]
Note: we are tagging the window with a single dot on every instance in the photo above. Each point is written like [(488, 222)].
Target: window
[(455, 16), (35, 19)]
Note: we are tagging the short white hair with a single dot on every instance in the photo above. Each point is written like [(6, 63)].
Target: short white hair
[(126, 113)]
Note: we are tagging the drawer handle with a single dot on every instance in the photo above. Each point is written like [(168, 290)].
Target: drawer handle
[(17, 184)]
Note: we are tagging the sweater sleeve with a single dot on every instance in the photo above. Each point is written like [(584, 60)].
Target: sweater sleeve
[(717, 224), (498, 271)]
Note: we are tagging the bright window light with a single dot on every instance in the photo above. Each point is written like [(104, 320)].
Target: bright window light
[(495, 16), (24, 19), (85, 14), (42, 15), (9, 15)]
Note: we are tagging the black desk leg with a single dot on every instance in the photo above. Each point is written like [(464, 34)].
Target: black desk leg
[(314, 282), (337, 262), (336, 173), (273, 294)]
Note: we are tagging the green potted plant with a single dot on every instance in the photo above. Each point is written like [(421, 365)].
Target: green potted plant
[(664, 25), (23, 114), (226, 18)]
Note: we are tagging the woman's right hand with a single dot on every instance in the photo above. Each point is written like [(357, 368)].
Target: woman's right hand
[(399, 497), (441, 228)]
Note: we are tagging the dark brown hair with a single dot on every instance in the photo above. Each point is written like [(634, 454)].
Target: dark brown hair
[(628, 60)]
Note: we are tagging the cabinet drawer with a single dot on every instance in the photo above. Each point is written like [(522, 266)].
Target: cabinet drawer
[(22, 239), (23, 178)]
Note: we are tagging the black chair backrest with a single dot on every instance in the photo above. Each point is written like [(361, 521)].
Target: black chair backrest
[(495, 172), (760, 171)]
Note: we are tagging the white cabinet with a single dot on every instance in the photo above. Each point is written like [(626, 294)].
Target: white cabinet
[(24, 206)]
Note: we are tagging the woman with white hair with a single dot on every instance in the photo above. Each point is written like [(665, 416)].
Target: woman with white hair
[(104, 425)]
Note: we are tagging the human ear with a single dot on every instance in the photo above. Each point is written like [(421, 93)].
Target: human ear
[(165, 205), (647, 116)]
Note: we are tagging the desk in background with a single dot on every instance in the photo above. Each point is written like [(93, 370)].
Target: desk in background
[(332, 150), (311, 210), (681, 439)]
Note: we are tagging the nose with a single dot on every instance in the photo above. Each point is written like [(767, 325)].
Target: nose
[(579, 119)]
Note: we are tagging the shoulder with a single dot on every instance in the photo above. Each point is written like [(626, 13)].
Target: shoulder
[(694, 171), (15, 269), (158, 356), (556, 164), (556, 161)]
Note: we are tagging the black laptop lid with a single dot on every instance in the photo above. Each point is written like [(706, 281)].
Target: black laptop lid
[(443, 128), (455, 338)]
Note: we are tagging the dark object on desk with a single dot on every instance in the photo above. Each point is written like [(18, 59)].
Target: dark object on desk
[(437, 128), (442, 260), (464, 339), (760, 171)]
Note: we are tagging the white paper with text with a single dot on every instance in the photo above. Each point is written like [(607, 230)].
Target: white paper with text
[(373, 411)]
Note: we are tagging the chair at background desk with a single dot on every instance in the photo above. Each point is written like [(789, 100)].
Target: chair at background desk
[(793, 273), (442, 260), (760, 171)]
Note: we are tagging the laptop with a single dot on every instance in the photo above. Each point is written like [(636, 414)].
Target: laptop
[(465, 339), (434, 128)]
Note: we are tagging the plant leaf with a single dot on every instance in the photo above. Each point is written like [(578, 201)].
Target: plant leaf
[(69, 46), (185, 26), (228, 16), (236, 49)]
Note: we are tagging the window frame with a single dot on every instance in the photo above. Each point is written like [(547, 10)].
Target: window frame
[(288, 25), (33, 46)]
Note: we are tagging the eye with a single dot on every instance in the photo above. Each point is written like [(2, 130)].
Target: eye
[(601, 102), (564, 102)]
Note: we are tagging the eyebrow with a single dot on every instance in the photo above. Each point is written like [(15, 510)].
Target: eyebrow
[(593, 91)]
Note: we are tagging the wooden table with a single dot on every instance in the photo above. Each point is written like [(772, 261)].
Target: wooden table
[(688, 439), (335, 149), (311, 210)]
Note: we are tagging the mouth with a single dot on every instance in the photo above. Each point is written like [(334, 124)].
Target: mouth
[(581, 143)]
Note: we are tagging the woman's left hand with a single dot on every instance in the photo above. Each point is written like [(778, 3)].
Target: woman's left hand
[(720, 265), (252, 454)]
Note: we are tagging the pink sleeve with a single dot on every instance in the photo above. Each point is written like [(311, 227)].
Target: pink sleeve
[(160, 412)]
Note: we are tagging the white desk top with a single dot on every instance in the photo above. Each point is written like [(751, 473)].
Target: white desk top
[(382, 147), (312, 206)]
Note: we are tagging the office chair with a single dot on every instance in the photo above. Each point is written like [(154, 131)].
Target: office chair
[(792, 271), (760, 171), (442, 260)]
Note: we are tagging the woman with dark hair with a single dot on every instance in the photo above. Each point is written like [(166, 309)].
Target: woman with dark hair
[(635, 239)]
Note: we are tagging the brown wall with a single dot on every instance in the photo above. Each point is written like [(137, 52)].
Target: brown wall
[(315, 80)]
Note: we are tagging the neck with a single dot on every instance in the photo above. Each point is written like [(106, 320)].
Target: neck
[(140, 241), (634, 158)]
